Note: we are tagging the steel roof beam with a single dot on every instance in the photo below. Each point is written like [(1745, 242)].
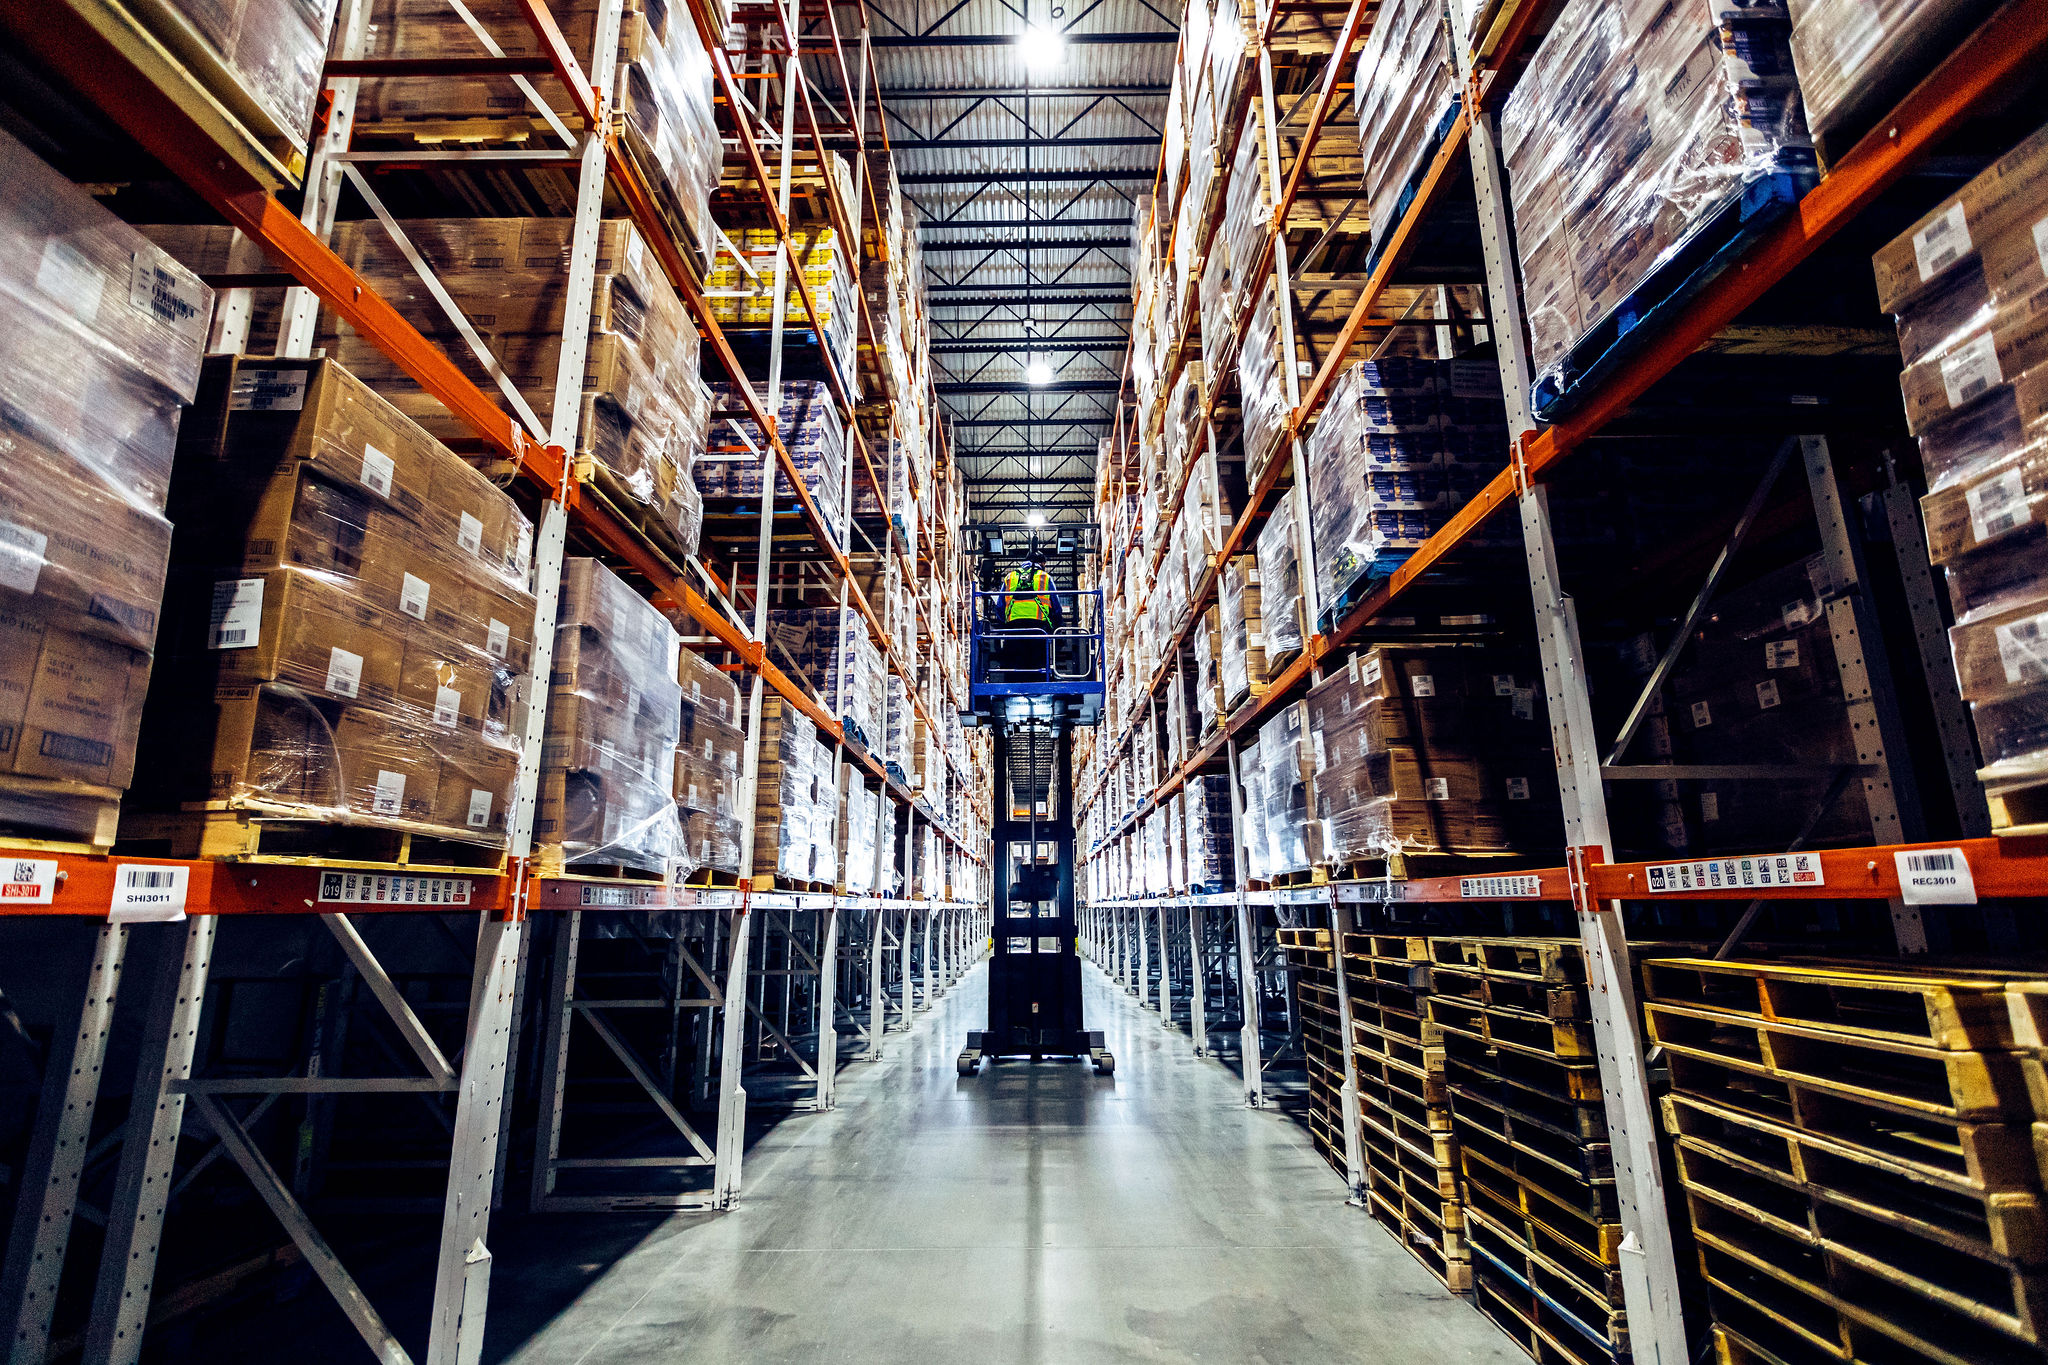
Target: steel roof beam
[(1109, 343), (1021, 177), (1110, 385), (983, 224), (1027, 244), (933, 92), (1162, 35), (977, 144)]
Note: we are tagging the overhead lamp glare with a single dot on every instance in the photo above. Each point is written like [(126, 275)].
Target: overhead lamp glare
[(1038, 374), (1041, 47), (1035, 520)]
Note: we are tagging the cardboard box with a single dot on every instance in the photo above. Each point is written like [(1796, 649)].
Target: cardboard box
[(388, 768), (74, 550), (1974, 367), (439, 692), (1947, 237), (306, 630), (477, 786), (70, 704)]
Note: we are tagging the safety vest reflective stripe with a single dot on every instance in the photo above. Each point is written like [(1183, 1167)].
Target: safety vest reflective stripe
[(1026, 605)]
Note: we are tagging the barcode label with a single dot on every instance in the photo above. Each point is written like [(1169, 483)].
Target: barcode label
[(268, 391), (1421, 685), (1997, 505), (21, 556), (236, 617), (157, 284), (2023, 649), (412, 597), (498, 639), (479, 808), (469, 534), (344, 672), (29, 881), (447, 707), (388, 797), (1702, 715), (1781, 654), (1524, 886), (1941, 243), (368, 888), (145, 894), (1935, 876), (1767, 694), (1735, 874), (377, 471), (1970, 370)]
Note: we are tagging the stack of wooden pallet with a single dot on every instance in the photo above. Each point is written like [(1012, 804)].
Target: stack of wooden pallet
[(1404, 1110), (1308, 956), (1531, 1131), (1854, 1146)]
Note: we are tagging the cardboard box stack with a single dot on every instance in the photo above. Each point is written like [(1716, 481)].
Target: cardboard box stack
[(1283, 627), (662, 86), (1636, 123), (98, 355), (1240, 602), (808, 423), (615, 709), (645, 410), (1407, 90), (269, 52), (796, 803), (1261, 385), (1856, 58), (1759, 684), (1970, 291), (354, 619), (741, 300), (710, 751), (831, 648), (1431, 751), (1380, 462), (1206, 808)]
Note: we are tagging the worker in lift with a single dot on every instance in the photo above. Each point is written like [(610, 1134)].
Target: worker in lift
[(1029, 607)]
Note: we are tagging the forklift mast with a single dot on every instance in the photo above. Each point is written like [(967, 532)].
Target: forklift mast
[(1032, 681)]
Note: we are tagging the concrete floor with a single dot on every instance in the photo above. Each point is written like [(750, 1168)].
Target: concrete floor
[(1029, 1214)]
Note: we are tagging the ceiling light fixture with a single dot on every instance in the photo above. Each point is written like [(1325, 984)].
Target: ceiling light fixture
[(1037, 374), (1041, 47), (1035, 520)]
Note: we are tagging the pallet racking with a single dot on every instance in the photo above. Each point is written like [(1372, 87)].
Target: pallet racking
[(800, 960), (1466, 173)]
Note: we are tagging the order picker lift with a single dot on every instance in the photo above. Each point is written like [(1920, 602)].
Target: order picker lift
[(1032, 681)]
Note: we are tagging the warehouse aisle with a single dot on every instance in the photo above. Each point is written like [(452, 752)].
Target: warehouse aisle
[(1029, 1214)]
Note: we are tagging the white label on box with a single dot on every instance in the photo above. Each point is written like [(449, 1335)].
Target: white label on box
[(389, 798), (469, 534), (1322, 754), (1518, 789), (1971, 369), (447, 707), (1519, 886), (21, 556), (523, 553), (1522, 703), (30, 881), (1735, 874), (175, 298), (344, 672), (1997, 505), (1369, 669), (70, 279), (377, 471), (1781, 654), (1942, 242), (2023, 650), (268, 391), (236, 618), (149, 895), (1702, 715), (1710, 805), (374, 888), (1422, 685), (498, 639), (1767, 694), (479, 808), (636, 250), (412, 597), (1935, 876), (1503, 684), (1436, 789)]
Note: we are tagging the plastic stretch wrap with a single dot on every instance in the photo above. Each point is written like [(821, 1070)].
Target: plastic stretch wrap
[(1385, 460), (1211, 866), (1262, 386), (1855, 58), (645, 410), (710, 750), (352, 599), (807, 421), (796, 800), (747, 300), (1634, 124), (1431, 751), (662, 86), (1280, 604), (99, 351), (1969, 288), (1251, 781), (1293, 840), (273, 50), (1240, 602), (832, 650), (1247, 217), (1406, 86), (1207, 683)]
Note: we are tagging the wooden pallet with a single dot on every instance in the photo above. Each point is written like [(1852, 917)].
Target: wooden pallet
[(1506, 1026), (1880, 1003), (1505, 1300), (1564, 1080), (1582, 1215), (1453, 1272), (289, 836), (1551, 961), (1939, 1083), (2019, 807), (1588, 1296), (1985, 1196), (1841, 1294)]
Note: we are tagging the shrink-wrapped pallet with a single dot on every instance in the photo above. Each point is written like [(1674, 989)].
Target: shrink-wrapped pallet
[(1211, 864), (1287, 762), (1240, 603), (260, 58), (1856, 58), (808, 423), (1635, 125), (98, 355), (710, 751), (1281, 610), (1407, 91), (1262, 385), (353, 602)]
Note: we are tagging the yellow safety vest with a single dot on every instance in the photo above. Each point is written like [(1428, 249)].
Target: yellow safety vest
[(1026, 602)]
